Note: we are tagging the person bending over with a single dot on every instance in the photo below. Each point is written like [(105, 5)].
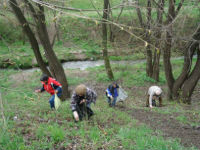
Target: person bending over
[(51, 86), (81, 100), (112, 94), (154, 93)]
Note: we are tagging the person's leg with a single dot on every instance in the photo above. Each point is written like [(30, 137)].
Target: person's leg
[(154, 102), (147, 101), (109, 101), (89, 112), (51, 101), (79, 111), (160, 101), (114, 101)]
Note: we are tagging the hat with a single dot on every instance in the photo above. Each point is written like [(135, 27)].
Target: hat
[(81, 89)]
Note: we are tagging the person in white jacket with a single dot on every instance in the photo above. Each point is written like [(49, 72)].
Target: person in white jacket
[(154, 92)]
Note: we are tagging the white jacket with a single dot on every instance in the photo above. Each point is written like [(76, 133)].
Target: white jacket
[(152, 92)]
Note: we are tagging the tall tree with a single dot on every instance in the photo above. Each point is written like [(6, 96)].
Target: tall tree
[(54, 64), (172, 13), (33, 41), (104, 40)]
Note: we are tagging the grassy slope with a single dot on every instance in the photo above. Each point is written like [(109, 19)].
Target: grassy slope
[(39, 128)]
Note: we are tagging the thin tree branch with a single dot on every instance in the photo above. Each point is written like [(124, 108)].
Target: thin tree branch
[(179, 7)]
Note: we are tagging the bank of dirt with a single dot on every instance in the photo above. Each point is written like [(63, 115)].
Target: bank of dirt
[(188, 135)]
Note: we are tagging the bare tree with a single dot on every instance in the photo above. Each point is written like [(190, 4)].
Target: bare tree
[(172, 13), (54, 64), (30, 35), (104, 41), (153, 53)]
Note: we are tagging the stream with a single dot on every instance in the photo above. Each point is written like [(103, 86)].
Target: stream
[(82, 65)]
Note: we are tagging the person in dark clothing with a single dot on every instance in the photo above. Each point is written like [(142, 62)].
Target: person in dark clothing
[(112, 94), (51, 86), (81, 100)]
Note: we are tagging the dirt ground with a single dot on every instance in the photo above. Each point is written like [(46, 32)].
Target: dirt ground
[(189, 136)]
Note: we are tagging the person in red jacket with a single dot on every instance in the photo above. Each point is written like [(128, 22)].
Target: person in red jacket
[(51, 86)]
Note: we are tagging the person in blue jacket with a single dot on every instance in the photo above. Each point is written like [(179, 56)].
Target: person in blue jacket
[(112, 94)]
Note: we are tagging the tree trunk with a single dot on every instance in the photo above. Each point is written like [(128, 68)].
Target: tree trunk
[(54, 64), (149, 66), (157, 52), (104, 41), (189, 51), (112, 35), (139, 14), (191, 82), (167, 50), (156, 65), (30, 35), (167, 64), (188, 54)]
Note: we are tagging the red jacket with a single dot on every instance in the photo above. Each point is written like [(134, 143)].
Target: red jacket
[(51, 86)]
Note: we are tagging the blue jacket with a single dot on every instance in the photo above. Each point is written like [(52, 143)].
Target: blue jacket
[(111, 91)]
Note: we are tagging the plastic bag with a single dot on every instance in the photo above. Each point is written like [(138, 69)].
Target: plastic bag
[(57, 101), (122, 95)]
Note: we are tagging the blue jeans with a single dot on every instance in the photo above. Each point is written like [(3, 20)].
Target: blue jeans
[(51, 100), (113, 102)]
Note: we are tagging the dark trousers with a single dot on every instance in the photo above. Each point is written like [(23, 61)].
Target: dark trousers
[(84, 111), (154, 101)]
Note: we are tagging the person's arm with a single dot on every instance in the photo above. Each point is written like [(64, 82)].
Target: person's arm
[(94, 97), (56, 85), (56, 88), (91, 96), (42, 89), (73, 102)]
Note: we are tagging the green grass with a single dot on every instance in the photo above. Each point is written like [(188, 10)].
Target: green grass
[(130, 74), (37, 127)]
